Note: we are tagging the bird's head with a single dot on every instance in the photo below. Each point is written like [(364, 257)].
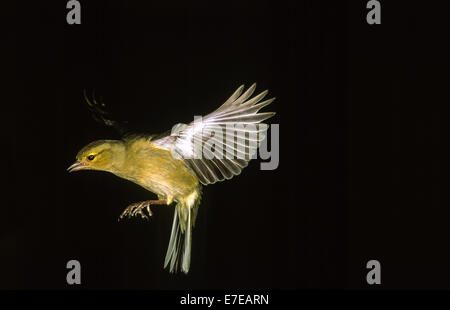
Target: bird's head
[(105, 155)]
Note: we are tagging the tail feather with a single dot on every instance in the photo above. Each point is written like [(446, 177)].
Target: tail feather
[(179, 249), (172, 250), (186, 262)]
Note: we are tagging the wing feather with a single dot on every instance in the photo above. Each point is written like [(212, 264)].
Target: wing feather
[(229, 136)]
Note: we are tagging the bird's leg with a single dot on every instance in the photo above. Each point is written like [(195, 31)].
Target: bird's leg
[(139, 207)]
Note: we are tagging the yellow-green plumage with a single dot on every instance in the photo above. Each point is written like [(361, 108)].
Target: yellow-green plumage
[(138, 160), (152, 164)]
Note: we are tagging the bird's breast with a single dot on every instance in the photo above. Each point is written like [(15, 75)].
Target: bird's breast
[(156, 170)]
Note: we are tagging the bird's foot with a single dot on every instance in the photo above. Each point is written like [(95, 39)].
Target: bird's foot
[(138, 208)]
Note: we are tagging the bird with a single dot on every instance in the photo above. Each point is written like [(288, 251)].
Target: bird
[(171, 166)]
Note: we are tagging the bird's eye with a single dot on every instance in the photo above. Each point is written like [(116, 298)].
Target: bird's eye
[(91, 157)]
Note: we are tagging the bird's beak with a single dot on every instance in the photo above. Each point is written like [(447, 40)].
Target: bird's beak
[(78, 165)]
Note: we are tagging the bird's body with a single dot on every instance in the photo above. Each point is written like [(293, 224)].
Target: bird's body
[(166, 167), (157, 170)]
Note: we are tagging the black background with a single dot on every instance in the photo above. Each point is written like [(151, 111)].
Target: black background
[(360, 109)]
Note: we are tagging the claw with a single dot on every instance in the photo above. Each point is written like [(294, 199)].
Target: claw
[(149, 211), (137, 209), (142, 214)]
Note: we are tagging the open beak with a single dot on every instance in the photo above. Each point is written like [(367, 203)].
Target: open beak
[(78, 165)]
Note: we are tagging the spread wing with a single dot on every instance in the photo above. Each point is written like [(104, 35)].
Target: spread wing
[(101, 115), (219, 145)]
